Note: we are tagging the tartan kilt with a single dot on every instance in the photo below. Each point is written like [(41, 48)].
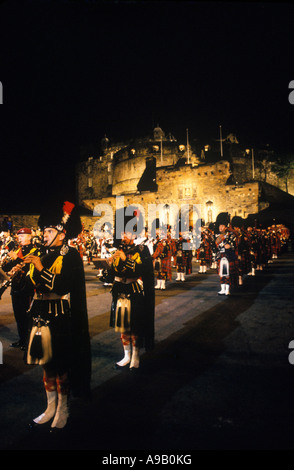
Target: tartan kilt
[(166, 267), (163, 266), (204, 253)]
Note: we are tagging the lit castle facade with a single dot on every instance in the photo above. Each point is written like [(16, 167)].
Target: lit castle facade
[(159, 170)]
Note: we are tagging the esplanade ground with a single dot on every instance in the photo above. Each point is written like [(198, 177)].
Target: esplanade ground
[(220, 376)]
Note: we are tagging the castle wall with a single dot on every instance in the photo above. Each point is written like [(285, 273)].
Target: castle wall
[(127, 174), (185, 187), (245, 170), (93, 178), (130, 164), (207, 186)]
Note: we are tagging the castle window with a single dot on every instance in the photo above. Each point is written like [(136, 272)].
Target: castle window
[(90, 182), (188, 192)]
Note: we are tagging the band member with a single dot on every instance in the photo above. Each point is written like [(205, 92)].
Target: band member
[(225, 243), (274, 241), (162, 264), (189, 255), (106, 248), (242, 249), (90, 244), (162, 256), (181, 258), (204, 252), (253, 248), (133, 302), (21, 293), (7, 243), (59, 336)]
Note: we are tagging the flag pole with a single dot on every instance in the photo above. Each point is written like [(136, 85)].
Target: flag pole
[(221, 141), (188, 148)]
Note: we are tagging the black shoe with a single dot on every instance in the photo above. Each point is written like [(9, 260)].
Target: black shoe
[(17, 344), (54, 431), (37, 427), (33, 425)]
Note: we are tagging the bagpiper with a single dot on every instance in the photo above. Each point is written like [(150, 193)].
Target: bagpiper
[(133, 301), (162, 260), (225, 244), (204, 252), (58, 332), (181, 256)]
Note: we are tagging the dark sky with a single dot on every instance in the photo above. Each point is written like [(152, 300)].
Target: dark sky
[(73, 71)]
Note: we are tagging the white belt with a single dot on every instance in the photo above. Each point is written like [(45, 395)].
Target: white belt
[(50, 296)]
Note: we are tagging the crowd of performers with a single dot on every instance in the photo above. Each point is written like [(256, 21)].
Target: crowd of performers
[(230, 247), (237, 249), (57, 334)]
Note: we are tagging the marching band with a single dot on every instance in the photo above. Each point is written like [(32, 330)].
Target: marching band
[(52, 263), (230, 248)]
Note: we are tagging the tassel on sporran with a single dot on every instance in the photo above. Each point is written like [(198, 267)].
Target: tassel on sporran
[(36, 349), (40, 345), (122, 314)]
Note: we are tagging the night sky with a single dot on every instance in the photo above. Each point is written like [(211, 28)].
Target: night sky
[(73, 71)]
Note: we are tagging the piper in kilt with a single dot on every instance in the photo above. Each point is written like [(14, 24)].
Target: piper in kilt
[(225, 243), (204, 252), (181, 258), (58, 333), (162, 262), (133, 300)]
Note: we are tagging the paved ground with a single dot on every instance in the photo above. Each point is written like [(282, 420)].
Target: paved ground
[(219, 377)]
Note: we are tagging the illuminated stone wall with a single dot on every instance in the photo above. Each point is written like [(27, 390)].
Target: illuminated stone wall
[(184, 175), (205, 186)]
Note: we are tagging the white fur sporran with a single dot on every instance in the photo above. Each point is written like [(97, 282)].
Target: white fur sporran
[(43, 335), (224, 267), (123, 315)]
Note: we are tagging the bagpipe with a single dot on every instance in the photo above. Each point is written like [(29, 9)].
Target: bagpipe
[(126, 248), (105, 264)]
